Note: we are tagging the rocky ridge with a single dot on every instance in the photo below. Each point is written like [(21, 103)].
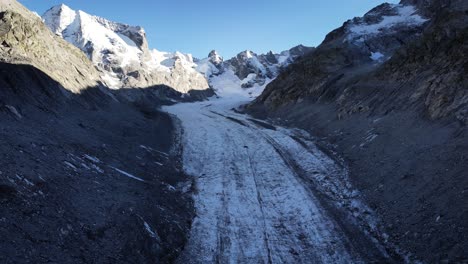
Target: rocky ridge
[(26, 40)]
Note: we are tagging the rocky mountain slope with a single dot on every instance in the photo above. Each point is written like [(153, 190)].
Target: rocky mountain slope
[(384, 48), (388, 92), (85, 174), (121, 52), (26, 40)]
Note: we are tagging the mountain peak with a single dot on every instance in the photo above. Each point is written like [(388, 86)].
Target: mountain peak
[(121, 52), (215, 58)]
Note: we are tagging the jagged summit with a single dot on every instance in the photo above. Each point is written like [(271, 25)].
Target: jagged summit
[(247, 72), (215, 58)]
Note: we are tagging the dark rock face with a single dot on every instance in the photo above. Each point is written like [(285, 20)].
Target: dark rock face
[(215, 58), (406, 86), (244, 64)]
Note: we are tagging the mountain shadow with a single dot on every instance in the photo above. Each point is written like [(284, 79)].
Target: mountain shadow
[(91, 177)]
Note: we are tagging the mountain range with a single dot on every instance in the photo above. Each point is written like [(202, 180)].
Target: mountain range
[(121, 53), (352, 151)]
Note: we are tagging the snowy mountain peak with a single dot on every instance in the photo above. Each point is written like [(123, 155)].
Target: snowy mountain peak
[(248, 54), (121, 52), (247, 73), (215, 58), (59, 18)]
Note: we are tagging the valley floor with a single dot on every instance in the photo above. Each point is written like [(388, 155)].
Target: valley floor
[(265, 194)]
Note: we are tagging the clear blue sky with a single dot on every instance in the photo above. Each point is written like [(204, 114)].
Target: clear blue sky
[(198, 26)]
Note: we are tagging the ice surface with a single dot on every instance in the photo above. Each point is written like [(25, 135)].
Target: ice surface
[(252, 201)]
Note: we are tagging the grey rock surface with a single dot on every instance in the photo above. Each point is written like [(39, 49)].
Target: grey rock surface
[(26, 40)]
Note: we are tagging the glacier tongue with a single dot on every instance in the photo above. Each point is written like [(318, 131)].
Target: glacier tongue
[(258, 188)]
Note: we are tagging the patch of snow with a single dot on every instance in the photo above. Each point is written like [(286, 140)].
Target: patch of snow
[(37, 15), (59, 18), (150, 230), (170, 188), (97, 168), (229, 85), (127, 40), (369, 138), (85, 166), (375, 56), (406, 15), (111, 80), (70, 165), (207, 68), (284, 57), (92, 158), (162, 153), (128, 174), (14, 111)]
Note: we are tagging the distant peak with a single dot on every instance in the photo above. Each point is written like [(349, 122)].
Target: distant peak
[(213, 53), (215, 57), (61, 7), (247, 53)]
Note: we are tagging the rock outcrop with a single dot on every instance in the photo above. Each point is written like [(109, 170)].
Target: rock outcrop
[(24, 39)]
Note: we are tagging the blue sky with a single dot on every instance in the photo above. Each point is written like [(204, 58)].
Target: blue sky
[(197, 27)]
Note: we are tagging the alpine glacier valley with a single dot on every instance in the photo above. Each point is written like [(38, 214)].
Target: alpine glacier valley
[(353, 151)]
